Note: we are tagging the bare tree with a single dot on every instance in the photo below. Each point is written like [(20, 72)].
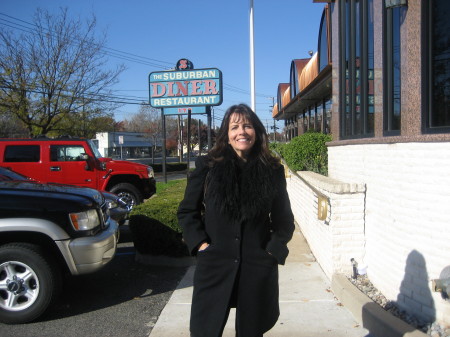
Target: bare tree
[(10, 128), (142, 121), (147, 120), (86, 125), (56, 71)]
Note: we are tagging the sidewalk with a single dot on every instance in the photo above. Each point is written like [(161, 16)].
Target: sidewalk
[(308, 306)]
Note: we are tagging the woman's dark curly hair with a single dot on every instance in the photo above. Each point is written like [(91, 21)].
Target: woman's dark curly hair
[(259, 150)]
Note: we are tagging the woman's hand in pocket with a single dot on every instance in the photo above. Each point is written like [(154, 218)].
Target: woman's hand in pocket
[(203, 246)]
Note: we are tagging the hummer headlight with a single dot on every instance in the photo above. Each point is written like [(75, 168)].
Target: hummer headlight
[(150, 172)]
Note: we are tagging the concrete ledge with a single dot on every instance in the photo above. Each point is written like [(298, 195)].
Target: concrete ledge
[(163, 260), (331, 185), (368, 313)]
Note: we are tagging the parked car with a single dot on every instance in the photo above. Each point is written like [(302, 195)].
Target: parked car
[(76, 161), (47, 230), (119, 209)]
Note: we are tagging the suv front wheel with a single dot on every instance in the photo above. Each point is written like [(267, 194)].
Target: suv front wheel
[(131, 195), (28, 282)]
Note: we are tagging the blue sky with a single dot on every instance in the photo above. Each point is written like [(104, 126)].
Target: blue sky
[(152, 35)]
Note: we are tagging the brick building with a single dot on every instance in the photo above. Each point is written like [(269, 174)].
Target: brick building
[(380, 84)]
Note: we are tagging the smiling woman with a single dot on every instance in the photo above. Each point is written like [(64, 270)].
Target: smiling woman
[(236, 218)]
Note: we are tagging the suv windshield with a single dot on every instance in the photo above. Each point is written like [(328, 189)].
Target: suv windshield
[(94, 149)]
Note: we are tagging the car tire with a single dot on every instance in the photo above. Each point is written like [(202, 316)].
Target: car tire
[(29, 282), (129, 192)]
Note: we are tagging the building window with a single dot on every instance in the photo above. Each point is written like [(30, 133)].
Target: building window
[(393, 19), (300, 123), (319, 117), (324, 40), (312, 118), (356, 68), (327, 116), (296, 126), (437, 58), (305, 121)]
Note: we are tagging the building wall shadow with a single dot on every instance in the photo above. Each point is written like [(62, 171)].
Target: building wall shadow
[(414, 308)]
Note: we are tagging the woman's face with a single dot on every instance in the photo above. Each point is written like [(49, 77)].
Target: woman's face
[(241, 135)]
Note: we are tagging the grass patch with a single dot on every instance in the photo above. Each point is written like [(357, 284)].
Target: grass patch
[(162, 187)]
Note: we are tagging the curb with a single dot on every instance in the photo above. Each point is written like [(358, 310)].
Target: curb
[(163, 260), (368, 313)]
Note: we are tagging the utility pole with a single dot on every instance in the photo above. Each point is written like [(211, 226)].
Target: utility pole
[(252, 60), (181, 137), (274, 127)]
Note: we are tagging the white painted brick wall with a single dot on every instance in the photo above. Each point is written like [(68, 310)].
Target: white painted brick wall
[(340, 237), (407, 218)]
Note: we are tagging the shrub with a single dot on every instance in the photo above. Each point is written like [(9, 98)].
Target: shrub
[(307, 152), (150, 236), (163, 207), (170, 167), (154, 223), (277, 147)]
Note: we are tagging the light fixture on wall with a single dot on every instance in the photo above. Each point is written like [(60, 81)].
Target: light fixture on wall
[(322, 207), (395, 3)]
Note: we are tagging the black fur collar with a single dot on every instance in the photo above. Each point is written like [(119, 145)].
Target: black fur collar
[(240, 190)]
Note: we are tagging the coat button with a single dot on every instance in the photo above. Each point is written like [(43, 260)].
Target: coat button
[(236, 260), (237, 238)]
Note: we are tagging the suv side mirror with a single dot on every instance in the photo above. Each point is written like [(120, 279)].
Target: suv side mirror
[(88, 160)]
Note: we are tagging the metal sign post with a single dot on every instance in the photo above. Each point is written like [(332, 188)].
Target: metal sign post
[(188, 142), (121, 143), (208, 112), (163, 121)]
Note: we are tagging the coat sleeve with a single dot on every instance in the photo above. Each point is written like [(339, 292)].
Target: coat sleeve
[(189, 211), (282, 220)]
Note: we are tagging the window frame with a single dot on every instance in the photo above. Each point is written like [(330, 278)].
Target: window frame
[(427, 71), (388, 71), (347, 28)]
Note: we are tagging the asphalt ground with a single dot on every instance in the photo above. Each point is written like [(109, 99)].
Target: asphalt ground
[(123, 299)]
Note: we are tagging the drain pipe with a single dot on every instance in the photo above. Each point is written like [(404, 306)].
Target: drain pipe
[(354, 267)]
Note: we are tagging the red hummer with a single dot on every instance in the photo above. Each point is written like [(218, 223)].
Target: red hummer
[(76, 161)]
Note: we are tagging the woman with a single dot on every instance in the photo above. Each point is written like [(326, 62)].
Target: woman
[(236, 218)]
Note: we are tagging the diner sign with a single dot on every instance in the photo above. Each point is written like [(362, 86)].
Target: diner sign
[(197, 87)]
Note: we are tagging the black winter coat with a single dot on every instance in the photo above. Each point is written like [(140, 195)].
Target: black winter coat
[(247, 220)]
